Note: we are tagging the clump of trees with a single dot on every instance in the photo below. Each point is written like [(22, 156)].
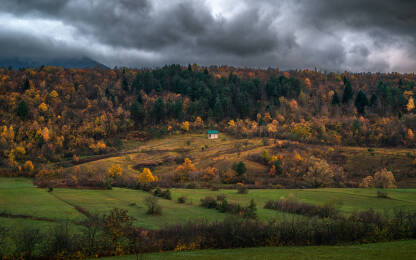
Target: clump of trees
[(382, 179)]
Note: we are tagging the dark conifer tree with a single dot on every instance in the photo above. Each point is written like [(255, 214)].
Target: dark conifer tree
[(137, 112), (361, 102), (348, 92), (22, 110), (335, 99)]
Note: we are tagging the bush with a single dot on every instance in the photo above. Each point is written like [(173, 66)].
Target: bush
[(208, 202), (114, 234), (382, 194), (250, 211), (165, 194), (215, 188), (241, 188), (294, 206), (221, 197), (371, 151), (50, 188), (153, 207), (182, 199), (108, 184)]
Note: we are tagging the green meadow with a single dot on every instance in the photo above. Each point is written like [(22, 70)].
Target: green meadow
[(24, 203), (376, 251)]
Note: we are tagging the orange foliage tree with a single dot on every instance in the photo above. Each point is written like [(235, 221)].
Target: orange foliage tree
[(146, 176), (183, 171)]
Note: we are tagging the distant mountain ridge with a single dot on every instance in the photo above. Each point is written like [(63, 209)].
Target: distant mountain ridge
[(76, 62)]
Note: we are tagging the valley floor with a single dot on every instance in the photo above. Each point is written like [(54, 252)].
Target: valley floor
[(389, 250), (21, 203)]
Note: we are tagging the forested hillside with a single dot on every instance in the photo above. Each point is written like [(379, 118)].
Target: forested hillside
[(51, 114)]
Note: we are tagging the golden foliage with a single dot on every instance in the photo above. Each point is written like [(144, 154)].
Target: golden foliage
[(43, 107), (410, 104), (45, 134), (185, 126), (99, 146), (198, 123), (308, 82), (231, 124), (367, 182), (20, 150), (410, 134), (146, 176), (209, 174), (267, 117), (293, 105), (297, 157), (28, 166), (183, 171), (54, 94), (114, 171)]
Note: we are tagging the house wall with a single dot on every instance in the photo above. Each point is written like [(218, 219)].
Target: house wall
[(212, 136)]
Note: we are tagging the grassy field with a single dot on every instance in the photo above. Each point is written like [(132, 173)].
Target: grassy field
[(161, 156), (19, 197), (390, 250)]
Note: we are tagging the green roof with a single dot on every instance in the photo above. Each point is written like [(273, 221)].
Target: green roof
[(212, 132)]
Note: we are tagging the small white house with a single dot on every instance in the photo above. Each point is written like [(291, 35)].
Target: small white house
[(212, 134)]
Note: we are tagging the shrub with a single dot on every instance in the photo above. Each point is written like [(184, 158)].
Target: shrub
[(50, 188), (382, 194), (241, 188), (182, 199), (371, 151), (114, 234), (108, 184), (165, 194), (215, 188), (367, 182), (294, 206), (250, 211), (221, 197), (209, 202), (28, 240), (153, 207)]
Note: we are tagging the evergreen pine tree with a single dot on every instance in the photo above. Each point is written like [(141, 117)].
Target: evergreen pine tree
[(22, 110), (335, 99), (348, 92), (361, 101)]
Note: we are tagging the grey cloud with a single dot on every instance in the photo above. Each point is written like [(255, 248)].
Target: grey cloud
[(287, 34)]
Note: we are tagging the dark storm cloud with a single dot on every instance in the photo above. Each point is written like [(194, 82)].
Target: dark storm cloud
[(375, 35), (16, 44)]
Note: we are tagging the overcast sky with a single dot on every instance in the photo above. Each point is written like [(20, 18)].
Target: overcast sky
[(336, 35)]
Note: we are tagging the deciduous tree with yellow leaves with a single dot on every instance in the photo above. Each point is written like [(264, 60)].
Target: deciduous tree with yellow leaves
[(28, 166), (146, 176), (198, 123), (185, 126), (43, 107), (114, 171), (183, 171)]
